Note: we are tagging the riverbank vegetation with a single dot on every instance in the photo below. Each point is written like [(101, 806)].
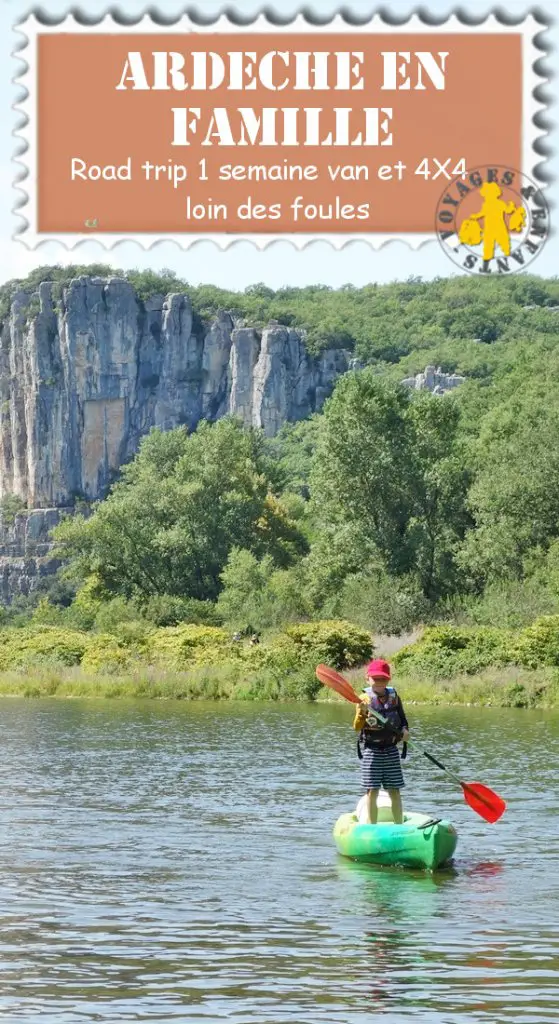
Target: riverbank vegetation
[(390, 510), (182, 661), (512, 688)]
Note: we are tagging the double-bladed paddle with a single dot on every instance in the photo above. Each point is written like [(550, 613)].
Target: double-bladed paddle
[(480, 798)]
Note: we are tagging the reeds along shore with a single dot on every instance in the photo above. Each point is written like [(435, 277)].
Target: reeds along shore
[(511, 687)]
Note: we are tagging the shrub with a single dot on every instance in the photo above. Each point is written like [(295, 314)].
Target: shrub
[(538, 644), (245, 602), (512, 604), (166, 610), (47, 614), (445, 651), (334, 642), (30, 645), (135, 634), (86, 605), (59, 591), (105, 654), (179, 646), (234, 654), (10, 506), (379, 602), (111, 615), (256, 595)]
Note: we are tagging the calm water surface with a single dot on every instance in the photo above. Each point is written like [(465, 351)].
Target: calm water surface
[(174, 862)]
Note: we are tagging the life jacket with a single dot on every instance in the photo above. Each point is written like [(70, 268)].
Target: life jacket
[(388, 707)]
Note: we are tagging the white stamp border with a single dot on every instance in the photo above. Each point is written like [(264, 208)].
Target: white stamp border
[(26, 182)]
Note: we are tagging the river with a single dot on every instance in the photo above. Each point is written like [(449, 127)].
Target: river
[(174, 862)]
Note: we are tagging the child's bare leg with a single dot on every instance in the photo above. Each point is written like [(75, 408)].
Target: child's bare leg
[(396, 801), (372, 795)]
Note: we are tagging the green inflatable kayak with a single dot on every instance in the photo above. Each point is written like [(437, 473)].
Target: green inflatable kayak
[(420, 842)]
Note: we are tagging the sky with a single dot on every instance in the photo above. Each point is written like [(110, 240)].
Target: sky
[(242, 264)]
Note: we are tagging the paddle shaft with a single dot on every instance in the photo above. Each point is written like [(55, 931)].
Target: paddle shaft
[(439, 764)]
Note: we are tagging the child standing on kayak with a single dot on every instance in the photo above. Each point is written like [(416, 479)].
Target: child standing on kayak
[(377, 744)]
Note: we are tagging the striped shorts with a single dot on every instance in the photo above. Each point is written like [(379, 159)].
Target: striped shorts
[(381, 769)]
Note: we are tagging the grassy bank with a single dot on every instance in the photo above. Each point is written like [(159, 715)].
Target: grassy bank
[(510, 687), (513, 687), (442, 665), (185, 661), (147, 683)]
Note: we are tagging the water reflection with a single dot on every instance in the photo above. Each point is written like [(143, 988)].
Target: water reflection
[(395, 903), (136, 885), (399, 968), (486, 869), (393, 891)]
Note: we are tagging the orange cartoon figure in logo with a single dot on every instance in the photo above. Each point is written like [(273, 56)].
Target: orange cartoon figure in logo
[(493, 213)]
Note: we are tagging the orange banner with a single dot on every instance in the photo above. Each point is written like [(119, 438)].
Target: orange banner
[(247, 133)]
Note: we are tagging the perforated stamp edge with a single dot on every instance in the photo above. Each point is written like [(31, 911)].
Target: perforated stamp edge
[(32, 27)]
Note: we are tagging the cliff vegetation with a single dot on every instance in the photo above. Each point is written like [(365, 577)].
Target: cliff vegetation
[(388, 510)]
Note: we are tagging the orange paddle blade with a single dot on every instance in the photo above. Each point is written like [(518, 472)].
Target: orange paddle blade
[(336, 682), (483, 801)]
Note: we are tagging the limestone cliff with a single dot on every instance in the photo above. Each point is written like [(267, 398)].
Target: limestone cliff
[(84, 375), (434, 380), (83, 378), (26, 551)]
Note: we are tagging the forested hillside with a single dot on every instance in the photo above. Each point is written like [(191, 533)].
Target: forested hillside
[(388, 509), (378, 322)]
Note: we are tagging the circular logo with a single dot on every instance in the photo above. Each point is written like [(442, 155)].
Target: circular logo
[(492, 220)]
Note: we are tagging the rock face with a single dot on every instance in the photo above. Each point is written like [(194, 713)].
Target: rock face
[(25, 551), (84, 376), (83, 379), (434, 380)]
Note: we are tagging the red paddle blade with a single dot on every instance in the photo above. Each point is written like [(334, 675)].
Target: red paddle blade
[(484, 801), (336, 682)]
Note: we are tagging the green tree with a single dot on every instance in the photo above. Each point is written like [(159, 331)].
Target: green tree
[(180, 507), (440, 518), (293, 449), (514, 499), (389, 484), (242, 603), (10, 506), (363, 471), (378, 602), (257, 594)]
